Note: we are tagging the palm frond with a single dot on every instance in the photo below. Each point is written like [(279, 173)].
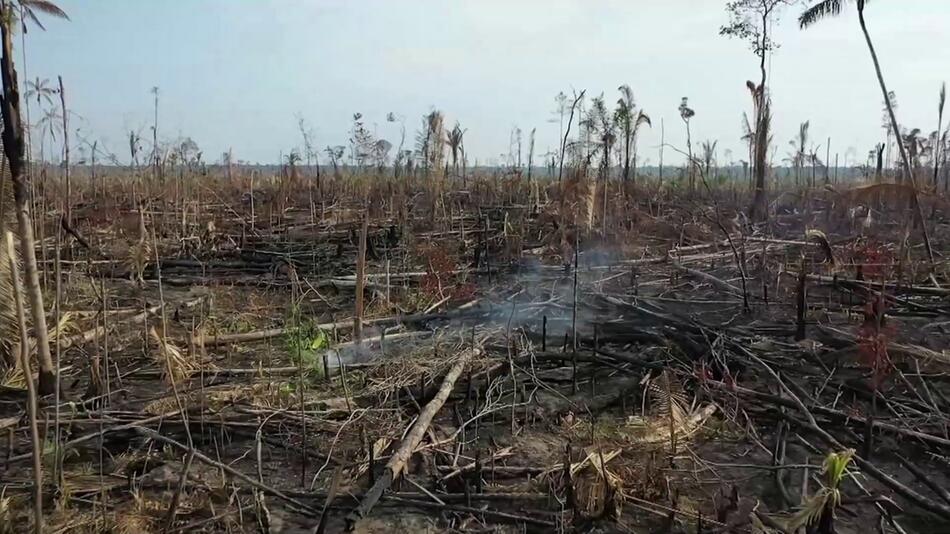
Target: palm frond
[(668, 397), (747, 132), (31, 16), (626, 97), (826, 500), (943, 97), (825, 8), (810, 513), (28, 10), (176, 364), (44, 6), (822, 239), (750, 85), (643, 118)]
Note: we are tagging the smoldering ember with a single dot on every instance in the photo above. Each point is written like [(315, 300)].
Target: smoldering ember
[(724, 312)]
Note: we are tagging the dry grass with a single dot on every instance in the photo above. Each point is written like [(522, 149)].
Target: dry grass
[(176, 364)]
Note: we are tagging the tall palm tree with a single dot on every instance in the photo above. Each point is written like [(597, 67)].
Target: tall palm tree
[(27, 10), (629, 119), (454, 139), (50, 123), (709, 155), (915, 145), (605, 129), (40, 90), (429, 140), (827, 8), (799, 154)]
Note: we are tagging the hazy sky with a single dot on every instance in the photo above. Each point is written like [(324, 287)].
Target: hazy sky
[(236, 73)]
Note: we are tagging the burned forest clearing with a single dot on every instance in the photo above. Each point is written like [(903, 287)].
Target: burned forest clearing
[(577, 342)]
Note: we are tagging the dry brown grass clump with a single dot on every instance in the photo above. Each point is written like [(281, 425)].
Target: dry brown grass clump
[(176, 365), (9, 329)]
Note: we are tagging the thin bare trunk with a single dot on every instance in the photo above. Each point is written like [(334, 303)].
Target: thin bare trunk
[(30, 388), (759, 211), (360, 281), (938, 142), (560, 171), (918, 212), (69, 189)]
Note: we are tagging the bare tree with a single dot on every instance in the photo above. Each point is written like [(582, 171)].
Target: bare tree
[(687, 113), (67, 210), (400, 153), (531, 150), (937, 145), (335, 153), (750, 20), (879, 163), (577, 98)]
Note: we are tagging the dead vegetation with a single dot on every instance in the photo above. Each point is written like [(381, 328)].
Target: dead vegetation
[(549, 371), (414, 345)]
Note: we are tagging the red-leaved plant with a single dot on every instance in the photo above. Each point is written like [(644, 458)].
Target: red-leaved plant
[(875, 332), (442, 278)]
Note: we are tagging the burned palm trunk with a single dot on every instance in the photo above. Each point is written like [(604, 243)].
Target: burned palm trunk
[(759, 211), (801, 302), (15, 149)]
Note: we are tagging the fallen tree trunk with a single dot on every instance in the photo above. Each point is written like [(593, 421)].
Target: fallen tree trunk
[(211, 340), (398, 460)]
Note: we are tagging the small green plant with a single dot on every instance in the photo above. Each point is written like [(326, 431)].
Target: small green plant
[(819, 510), (306, 343)]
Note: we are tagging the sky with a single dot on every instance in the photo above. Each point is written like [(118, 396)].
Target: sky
[(237, 74)]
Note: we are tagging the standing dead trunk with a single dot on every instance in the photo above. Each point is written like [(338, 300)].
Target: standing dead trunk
[(759, 211), (360, 281), (95, 182), (939, 140), (662, 142), (15, 149), (560, 170), (879, 169), (67, 209)]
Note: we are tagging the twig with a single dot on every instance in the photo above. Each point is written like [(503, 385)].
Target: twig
[(149, 433)]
